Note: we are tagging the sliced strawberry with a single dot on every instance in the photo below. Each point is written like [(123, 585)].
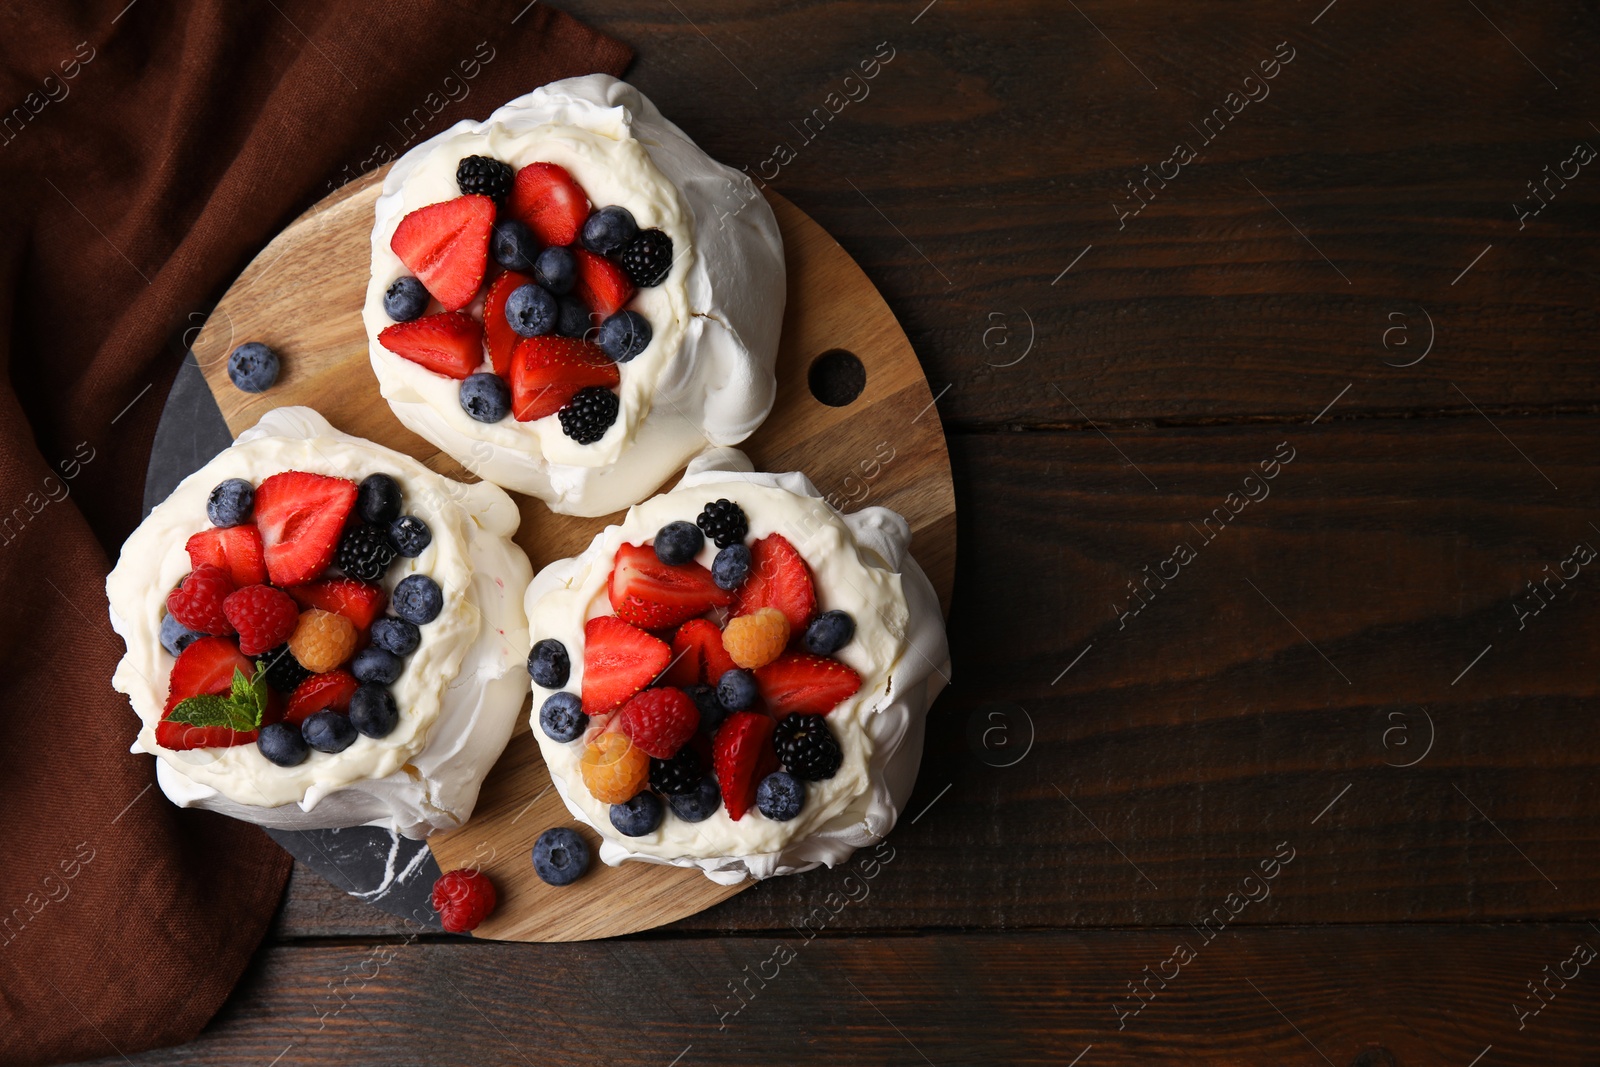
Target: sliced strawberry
[(497, 332), (601, 284), (301, 517), (656, 595), (547, 371), (780, 579), (357, 601), (697, 655), (659, 721), (553, 206), (447, 247), (799, 681), (741, 756), (235, 549), (618, 661), (330, 690), (449, 343), (204, 669)]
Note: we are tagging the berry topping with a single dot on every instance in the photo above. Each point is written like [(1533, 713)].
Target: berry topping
[(609, 230), (378, 499), (548, 663), (418, 599), (283, 744), (545, 197), (806, 747), (175, 636), (648, 258), (677, 543), (589, 414), (513, 245), (498, 335), (613, 769), (374, 664), (624, 335), (463, 898), (758, 639), (698, 655), (365, 553), (483, 176), (485, 397), (449, 343), (531, 310), (699, 804), (208, 667), (829, 632), (741, 757), (601, 284), (556, 269), (560, 856), (680, 774), (197, 603), (356, 601), (253, 367), (656, 595), (731, 567), (322, 640), (638, 815), (737, 690), (573, 318), (284, 672), (396, 635), (235, 549), (230, 502), (328, 731), (780, 579), (618, 661), (799, 681), (264, 617), (373, 711), (547, 372), (562, 718), (405, 299), (659, 721), (446, 246), (780, 796), (723, 522), (711, 710), (410, 535), (301, 516), (320, 692)]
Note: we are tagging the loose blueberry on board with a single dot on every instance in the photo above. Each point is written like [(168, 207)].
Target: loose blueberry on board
[(364, 553), (513, 246), (328, 731), (410, 535), (561, 717), (531, 310), (378, 665), (723, 522), (637, 817), (699, 805), (806, 746), (647, 259), (373, 710), (418, 599), (737, 690), (548, 663), (231, 502), (731, 567), (678, 542), (485, 397), (829, 632), (780, 796), (624, 335), (378, 499), (573, 319), (175, 636), (589, 414), (711, 710), (405, 299), (253, 367), (396, 635), (560, 856), (483, 176), (609, 230), (281, 743), (556, 270)]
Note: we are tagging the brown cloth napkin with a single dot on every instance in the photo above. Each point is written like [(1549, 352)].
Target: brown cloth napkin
[(147, 151)]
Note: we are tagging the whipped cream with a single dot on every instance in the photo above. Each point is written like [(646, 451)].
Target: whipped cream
[(860, 564), (459, 692), (707, 374)]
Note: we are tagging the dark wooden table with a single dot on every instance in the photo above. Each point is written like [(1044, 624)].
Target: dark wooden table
[(1264, 336)]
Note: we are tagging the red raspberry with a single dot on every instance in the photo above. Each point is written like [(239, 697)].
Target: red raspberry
[(463, 898), (197, 603), (659, 721), (264, 617)]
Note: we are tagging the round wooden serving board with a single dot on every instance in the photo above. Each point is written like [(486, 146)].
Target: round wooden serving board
[(303, 296)]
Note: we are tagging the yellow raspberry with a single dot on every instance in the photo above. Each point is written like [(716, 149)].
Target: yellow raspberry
[(322, 640), (613, 768), (755, 640)]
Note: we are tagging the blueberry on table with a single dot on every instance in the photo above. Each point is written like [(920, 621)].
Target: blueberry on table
[(678, 542), (829, 632), (231, 502), (396, 635), (609, 230), (556, 269), (736, 689), (731, 567), (637, 817), (405, 299), (281, 743), (410, 535), (513, 246), (624, 335), (373, 711), (531, 310), (175, 636), (573, 318), (418, 599), (374, 664), (378, 499), (560, 856), (253, 367), (699, 805), (548, 663), (561, 717), (780, 796), (485, 397), (328, 731)]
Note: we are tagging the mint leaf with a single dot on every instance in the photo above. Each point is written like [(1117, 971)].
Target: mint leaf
[(241, 709)]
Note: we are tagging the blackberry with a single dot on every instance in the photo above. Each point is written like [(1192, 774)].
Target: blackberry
[(807, 747), (284, 672), (647, 259), (365, 553), (678, 775), (589, 414), (723, 521), (483, 176)]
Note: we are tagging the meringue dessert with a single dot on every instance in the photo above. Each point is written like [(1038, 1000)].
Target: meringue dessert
[(572, 299), (321, 632), (735, 677)]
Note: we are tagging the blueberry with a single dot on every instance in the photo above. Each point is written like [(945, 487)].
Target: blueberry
[(405, 299), (417, 599), (711, 710), (281, 743), (231, 502), (829, 632), (396, 635), (513, 245), (548, 663), (410, 535), (531, 310), (609, 230), (780, 796), (175, 636), (624, 335), (637, 817), (486, 397), (679, 542), (374, 664), (562, 718), (699, 805), (560, 856), (378, 499), (736, 689), (373, 711), (556, 269), (328, 731), (253, 367), (573, 319), (731, 567)]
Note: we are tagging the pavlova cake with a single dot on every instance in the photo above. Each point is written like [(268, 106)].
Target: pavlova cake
[(571, 298), (321, 632), (735, 677)]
